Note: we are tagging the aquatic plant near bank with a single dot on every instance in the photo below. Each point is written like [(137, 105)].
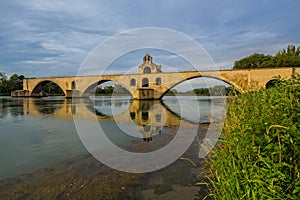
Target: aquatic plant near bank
[(258, 155)]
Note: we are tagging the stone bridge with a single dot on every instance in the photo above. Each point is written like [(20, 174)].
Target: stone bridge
[(151, 83)]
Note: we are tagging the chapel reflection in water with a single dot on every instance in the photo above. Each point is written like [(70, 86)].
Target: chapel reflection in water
[(149, 116)]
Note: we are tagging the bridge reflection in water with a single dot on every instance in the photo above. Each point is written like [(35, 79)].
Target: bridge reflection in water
[(148, 116)]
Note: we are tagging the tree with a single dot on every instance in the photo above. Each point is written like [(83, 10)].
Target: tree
[(201, 91), (172, 92), (20, 82), (3, 83), (120, 89), (289, 57), (3, 77), (108, 89), (253, 61), (291, 50), (51, 89), (14, 82)]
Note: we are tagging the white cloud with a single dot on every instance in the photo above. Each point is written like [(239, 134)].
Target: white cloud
[(57, 35)]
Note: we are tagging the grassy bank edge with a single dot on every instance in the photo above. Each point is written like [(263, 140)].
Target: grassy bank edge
[(259, 150)]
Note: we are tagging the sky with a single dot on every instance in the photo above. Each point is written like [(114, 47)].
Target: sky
[(53, 38)]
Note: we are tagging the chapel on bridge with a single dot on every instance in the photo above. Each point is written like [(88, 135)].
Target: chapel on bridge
[(148, 67)]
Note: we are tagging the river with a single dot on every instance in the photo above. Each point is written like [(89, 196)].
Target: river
[(48, 151)]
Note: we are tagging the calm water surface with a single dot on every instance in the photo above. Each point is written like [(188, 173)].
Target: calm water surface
[(40, 147)]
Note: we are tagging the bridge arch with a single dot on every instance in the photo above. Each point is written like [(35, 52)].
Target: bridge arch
[(92, 87), (40, 90), (271, 83), (238, 88)]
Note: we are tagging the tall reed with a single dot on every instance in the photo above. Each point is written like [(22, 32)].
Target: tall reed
[(258, 154)]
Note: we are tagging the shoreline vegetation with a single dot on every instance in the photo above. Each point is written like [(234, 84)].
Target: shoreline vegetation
[(258, 153)]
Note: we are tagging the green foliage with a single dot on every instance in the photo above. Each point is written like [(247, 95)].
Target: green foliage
[(51, 89), (217, 90), (289, 57), (258, 155), (15, 82), (231, 91), (291, 51), (201, 91), (120, 89), (253, 61), (172, 92), (109, 90)]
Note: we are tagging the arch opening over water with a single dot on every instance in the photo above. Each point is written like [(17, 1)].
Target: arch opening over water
[(47, 88), (106, 88), (199, 86)]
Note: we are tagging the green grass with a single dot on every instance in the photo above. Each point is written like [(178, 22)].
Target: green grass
[(258, 154)]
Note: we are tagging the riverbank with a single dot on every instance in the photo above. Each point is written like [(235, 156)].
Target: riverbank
[(258, 154)]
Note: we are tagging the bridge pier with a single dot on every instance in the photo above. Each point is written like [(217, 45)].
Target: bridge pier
[(72, 93), (20, 93), (145, 94)]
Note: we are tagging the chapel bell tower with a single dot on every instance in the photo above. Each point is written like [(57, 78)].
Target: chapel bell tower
[(148, 67)]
